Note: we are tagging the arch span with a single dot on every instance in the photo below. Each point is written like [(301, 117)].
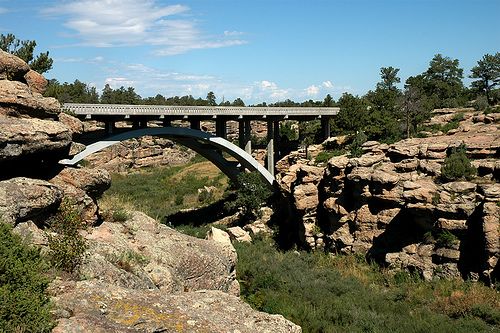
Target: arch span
[(207, 145)]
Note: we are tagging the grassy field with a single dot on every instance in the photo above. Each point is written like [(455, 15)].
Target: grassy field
[(162, 191), (320, 292)]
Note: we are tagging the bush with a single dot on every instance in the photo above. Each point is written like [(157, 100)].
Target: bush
[(446, 239), (66, 247), (251, 194), (24, 306), (457, 165), (481, 103), (120, 215), (359, 139), (325, 155)]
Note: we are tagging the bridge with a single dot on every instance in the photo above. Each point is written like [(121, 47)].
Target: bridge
[(157, 120)]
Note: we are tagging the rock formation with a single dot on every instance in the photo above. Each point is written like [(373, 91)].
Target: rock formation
[(391, 204), (137, 275)]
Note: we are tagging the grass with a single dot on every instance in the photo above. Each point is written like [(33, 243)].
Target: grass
[(324, 293), (159, 192), (325, 155)]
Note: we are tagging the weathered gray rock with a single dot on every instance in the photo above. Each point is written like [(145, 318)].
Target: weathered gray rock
[(23, 199), (92, 306), (92, 181), (28, 138), (36, 82), (159, 257), (16, 98), (12, 67)]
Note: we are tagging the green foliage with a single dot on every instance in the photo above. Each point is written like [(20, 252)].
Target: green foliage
[(487, 73), (76, 92), (252, 192), (436, 198), (159, 192), (24, 49), (24, 305), (325, 155), (287, 130), (67, 246), (120, 215), (325, 293), (127, 260), (119, 96), (457, 165), (481, 103), (446, 239), (355, 147), (352, 116)]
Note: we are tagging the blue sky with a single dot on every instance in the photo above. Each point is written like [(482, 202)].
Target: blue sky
[(259, 50)]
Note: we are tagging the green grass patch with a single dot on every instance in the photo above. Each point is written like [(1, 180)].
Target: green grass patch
[(162, 191), (325, 155), (323, 293)]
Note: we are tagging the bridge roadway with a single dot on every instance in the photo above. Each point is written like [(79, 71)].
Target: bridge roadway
[(140, 115)]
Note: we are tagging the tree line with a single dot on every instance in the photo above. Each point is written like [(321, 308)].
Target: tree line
[(385, 113)]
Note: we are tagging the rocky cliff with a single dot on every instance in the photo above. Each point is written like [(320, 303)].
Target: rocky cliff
[(392, 205), (137, 275)]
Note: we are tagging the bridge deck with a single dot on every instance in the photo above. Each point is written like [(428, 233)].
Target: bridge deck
[(206, 112)]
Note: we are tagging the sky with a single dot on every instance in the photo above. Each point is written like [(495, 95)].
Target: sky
[(258, 50)]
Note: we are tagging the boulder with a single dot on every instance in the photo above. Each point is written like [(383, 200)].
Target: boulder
[(92, 181), (23, 199), (36, 82), (26, 139), (94, 306), (16, 99), (239, 235), (73, 123), (158, 257), (12, 67)]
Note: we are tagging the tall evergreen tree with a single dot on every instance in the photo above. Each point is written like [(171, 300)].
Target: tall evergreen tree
[(24, 49), (487, 71)]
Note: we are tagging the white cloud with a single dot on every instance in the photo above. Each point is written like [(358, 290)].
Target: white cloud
[(5, 10), (117, 82), (328, 84), (268, 85), (233, 33), (312, 90), (109, 23)]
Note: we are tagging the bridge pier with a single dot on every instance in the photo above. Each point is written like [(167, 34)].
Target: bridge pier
[(221, 128), (244, 135), (109, 127), (325, 127), (194, 124), (166, 122)]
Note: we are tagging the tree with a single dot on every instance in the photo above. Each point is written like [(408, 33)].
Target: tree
[(352, 115), (389, 76), (443, 81), (411, 109), (487, 72), (211, 99), (24, 50), (238, 102), (328, 101), (76, 92)]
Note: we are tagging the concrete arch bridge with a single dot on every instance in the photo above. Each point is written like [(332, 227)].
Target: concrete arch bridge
[(208, 145)]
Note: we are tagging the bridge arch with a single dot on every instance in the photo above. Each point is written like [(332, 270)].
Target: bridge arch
[(205, 144)]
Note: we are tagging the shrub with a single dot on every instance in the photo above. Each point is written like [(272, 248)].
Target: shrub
[(251, 194), (128, 260), (325, 155), (446, 239), (66, 247), (457, 165), (359, 139), (24, 306), (481, 103)]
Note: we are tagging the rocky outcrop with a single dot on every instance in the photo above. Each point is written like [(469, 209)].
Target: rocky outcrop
[(23, 199), (391, 205), (138, 153), (94, 306), (141, 253)]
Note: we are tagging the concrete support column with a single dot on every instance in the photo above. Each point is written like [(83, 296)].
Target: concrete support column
[(143, 123), (248, 136), (109, 127), (195, 124), (325, 127), (270, 147), (241, 134), (135, 124), (277, 140), (167, 122), (221, 128)]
